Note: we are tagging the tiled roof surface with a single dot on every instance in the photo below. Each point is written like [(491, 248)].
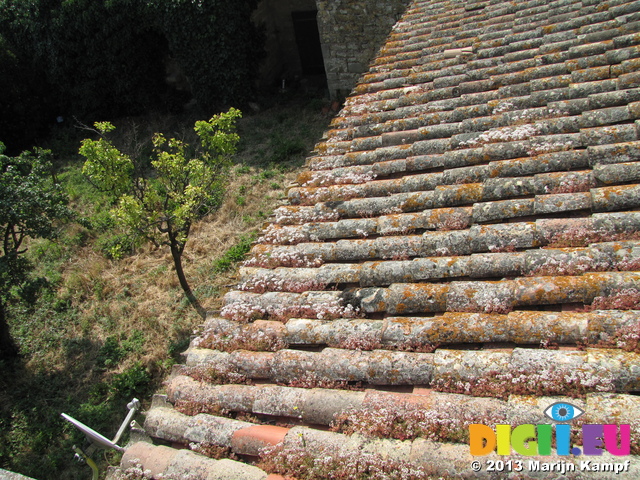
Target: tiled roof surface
[(464, 247)]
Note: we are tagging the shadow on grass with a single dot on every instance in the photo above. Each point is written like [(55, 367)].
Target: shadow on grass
[(83, 347), (34, 439)]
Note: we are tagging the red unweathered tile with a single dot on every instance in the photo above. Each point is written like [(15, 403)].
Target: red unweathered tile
[(249, 441), (419, 390), (432, 198), (156, 459)]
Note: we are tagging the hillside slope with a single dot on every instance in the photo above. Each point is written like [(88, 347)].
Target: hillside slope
[(462, 249)]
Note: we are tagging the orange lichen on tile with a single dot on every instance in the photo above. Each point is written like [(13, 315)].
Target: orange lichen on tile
[(488, 273)]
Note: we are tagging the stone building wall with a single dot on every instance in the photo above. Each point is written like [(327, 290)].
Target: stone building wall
[(351, 33), (282, 61)]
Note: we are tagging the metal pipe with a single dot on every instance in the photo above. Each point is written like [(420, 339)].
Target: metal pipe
[(133, 407), (89, 461)]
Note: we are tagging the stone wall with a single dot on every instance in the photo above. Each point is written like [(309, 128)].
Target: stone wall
[(352, 32), (282, 61)]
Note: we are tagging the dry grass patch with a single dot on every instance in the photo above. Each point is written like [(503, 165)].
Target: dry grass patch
[(106, 329)]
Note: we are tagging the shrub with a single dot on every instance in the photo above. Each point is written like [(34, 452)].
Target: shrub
[(133, 381), (98, 57), (26, 109), (108, 57), (234, 255), (204, 37), (116, 246)]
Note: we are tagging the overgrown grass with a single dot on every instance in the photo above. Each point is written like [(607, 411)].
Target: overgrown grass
[(108, 318), (235, 254)]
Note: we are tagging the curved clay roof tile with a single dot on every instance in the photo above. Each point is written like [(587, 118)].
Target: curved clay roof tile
[(466, 236)]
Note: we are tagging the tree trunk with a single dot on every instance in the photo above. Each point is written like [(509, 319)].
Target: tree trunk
[(177, 261), (8, 348)]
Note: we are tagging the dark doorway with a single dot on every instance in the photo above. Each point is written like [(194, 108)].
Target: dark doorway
[(305, 28)]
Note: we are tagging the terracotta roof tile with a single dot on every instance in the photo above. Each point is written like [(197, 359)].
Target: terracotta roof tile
[(252, 440), (163, 462), (465, 212)]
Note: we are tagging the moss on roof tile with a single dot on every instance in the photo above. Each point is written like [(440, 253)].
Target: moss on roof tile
[(459, 209)]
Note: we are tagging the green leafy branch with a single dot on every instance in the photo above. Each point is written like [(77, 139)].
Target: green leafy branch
[(161, 203)]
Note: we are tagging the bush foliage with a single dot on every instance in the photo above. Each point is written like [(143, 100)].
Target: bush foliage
[(23, 100), (98, 330), (104, 58), (32, 206), (186, 183)]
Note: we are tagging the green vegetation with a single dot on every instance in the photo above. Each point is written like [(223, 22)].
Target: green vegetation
[(95, 59), (32, 205), (160, 204), (108, 318), (234, 255)]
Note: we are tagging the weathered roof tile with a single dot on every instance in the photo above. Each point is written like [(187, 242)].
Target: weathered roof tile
[(460, 208)]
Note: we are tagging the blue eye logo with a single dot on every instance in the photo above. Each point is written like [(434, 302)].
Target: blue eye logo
[(563, 412)]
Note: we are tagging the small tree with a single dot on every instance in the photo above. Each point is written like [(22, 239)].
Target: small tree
[(161, 203), (31, 205)]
